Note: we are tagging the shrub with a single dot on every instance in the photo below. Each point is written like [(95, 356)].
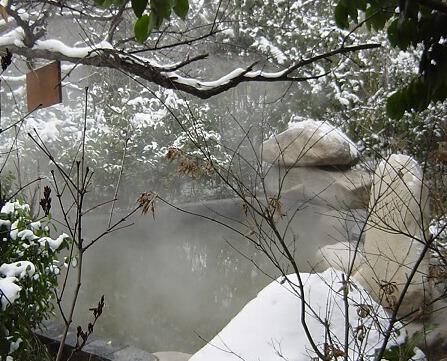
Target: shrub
[(28, 277)]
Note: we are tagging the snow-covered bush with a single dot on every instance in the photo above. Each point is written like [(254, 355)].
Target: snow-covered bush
[(28, 276)]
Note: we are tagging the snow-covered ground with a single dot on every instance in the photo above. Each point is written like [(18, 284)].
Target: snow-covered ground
[(269, 329)]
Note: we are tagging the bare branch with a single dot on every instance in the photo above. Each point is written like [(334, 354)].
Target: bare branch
[(163, 75)]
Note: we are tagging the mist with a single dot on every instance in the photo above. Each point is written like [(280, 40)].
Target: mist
[(173, 281)]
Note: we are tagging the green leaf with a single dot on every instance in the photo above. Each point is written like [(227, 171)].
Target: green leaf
[(377, 17), (139, 6), (162, 8), (351, 8), (107, 3), (403, 33), (395, 107), (341, 15), (157, 20), (392, 33), (361, 5), (143, 27), (181, 8), (416, 95)]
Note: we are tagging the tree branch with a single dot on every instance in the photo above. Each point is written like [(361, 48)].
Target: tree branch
[(163, 75)]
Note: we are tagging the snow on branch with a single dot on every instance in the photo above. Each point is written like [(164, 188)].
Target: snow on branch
[(104, 55)]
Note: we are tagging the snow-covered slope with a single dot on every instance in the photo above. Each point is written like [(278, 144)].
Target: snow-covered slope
[(269, 329)]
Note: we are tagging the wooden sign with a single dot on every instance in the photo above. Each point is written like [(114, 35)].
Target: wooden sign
[(43, 86)]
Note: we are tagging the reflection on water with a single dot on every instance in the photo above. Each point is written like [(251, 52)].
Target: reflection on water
[(174, 282)]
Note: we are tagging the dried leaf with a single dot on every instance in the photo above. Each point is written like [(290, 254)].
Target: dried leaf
[(189, 167), (4, 13), (146, 201), (45, 202), (360, 332), (6, 60), (173, 154), (245, 208), (275, 206), (209, 168), (364, 310), (332, 351), (388, 288)]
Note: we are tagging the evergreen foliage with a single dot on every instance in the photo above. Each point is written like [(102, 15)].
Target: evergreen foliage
[(417, 24)]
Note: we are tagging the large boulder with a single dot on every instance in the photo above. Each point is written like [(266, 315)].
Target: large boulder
[(339, 189), (343, 256), (310, 143), (395, 236)]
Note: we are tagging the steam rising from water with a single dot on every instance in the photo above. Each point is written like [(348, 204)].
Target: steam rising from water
[(173, 282)]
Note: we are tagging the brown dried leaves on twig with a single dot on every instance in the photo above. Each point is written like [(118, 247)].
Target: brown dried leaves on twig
[(4, 13), (81, 335), (45, 202), (275, 207), (189, 165), (6, 60), (333, 351), (388, 289), (173, 154), (146, 201), (364, 310)]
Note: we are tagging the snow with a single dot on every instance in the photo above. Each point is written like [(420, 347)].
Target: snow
[(324, 129), (224, 79), (35, 226), (411, 166), (18, 269), (14, 230), (27, 234), (5, 223), (11, 207), (14, 345), (14, 37), (74, 52), (49, 130), (8, 208), (9, 291), (53, 243), (269, 329), (438, 227), (266, 46)]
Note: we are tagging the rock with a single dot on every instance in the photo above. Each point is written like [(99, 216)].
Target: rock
[(395, 237), (131, 353), (103, 348), (340, 256), (434, 344), (348, 189), (172, 356), (310, 143)]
